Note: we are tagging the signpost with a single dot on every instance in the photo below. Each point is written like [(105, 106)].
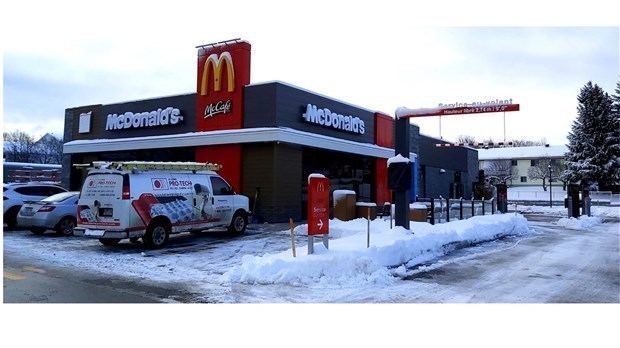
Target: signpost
[(401, 141), (318, 209)]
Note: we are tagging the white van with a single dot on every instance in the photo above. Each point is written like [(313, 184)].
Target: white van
[(151, 200)]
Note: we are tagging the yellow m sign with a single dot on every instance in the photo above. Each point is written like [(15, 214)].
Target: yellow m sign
[(217, 63)]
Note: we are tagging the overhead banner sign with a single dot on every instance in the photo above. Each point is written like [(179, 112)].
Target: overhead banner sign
[(318, 205), (446, 111), (223, 71)]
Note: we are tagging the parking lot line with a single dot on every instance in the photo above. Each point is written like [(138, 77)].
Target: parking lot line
[(13, 276), (32, 269)]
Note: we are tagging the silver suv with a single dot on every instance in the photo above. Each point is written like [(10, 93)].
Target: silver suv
[(15, 194)]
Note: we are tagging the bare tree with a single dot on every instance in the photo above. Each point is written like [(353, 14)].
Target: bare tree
[(49, 149), (465, 139), (19, 146), (500, 171), (525, 142), (541, 171)]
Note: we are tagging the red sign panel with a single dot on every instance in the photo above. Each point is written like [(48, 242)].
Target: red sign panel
[(223, 71), (459, 110), (318, 206)]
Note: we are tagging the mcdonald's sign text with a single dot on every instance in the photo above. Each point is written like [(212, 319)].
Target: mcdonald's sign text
[(159, 117), (327, 118), (318, 205)]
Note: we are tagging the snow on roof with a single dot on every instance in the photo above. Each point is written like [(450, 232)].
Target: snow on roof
[(315, 93), (397, 159), (316, 175), (33, 165), (556, 151)]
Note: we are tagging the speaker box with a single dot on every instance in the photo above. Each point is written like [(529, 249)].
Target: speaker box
[(399, 176)]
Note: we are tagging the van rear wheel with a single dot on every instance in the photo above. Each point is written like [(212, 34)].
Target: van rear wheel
[(156, 235)]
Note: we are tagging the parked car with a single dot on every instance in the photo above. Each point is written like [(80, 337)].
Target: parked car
[(57, 212), (15, 194)]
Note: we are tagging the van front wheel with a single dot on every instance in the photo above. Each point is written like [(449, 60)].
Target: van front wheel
[(238, 224), (156, 235)]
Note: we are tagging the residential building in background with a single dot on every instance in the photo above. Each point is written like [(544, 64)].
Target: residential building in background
[(522, 166)]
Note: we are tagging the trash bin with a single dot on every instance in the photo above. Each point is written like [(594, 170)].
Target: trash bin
[(362, 210), (418, 212), (344, 205)]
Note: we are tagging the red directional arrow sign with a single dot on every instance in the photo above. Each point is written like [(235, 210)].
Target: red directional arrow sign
[(318, 205)]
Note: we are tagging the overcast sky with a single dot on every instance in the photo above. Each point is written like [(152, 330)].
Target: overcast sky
[(62, 54)]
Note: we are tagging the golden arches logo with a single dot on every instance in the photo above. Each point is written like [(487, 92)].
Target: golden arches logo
[(320, 187), (218, 62)]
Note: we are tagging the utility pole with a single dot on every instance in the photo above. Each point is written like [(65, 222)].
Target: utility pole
[(550, 195)]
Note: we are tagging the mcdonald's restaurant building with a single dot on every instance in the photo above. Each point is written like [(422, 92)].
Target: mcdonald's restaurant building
[(268, 137)]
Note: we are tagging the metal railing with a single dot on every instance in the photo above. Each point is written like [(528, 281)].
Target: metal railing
[(441, 209)]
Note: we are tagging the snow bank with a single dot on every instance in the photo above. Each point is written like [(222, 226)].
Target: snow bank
[(559, 210), (582, 223), (348, 262)]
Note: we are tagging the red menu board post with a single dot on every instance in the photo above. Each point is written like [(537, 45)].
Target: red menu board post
[(318, 209)]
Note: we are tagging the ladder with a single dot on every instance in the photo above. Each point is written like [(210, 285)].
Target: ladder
[(146, 165)]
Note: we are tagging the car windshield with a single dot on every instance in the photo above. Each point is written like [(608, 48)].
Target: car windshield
[(59, 197)]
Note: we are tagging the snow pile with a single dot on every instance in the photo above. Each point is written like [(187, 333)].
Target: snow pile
[(559, 210), (348, 261), (582, 223), (610, 212)]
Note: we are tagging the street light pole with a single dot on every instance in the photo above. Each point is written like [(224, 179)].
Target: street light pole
[(550, 195)]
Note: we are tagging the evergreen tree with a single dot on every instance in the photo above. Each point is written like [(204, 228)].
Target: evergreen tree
[(615, 106), (594, 142)]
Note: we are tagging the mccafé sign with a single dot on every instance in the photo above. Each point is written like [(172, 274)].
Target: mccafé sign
[(160, 117), (223, 70), (221, 107)]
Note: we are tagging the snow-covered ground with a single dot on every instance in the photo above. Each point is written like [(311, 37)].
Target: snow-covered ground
[(252, 269)]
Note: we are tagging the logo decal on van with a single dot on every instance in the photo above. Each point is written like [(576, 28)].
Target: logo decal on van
[(159, 183)]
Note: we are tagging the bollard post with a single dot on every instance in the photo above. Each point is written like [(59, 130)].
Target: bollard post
[(461, 209), (483, 206), (440, 208), (447, 209), (473, 212), (368, 230), (432, 211), (292, 237)]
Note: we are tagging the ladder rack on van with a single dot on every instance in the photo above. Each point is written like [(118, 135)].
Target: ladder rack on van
[(145, 165)]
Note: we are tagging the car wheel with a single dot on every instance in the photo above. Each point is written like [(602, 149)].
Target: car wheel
[(10, 217), (38, 231), (65, 226), (238, 224), (156, 235), (109, 241)]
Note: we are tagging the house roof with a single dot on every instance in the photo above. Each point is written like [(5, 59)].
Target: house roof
[(528, 152)]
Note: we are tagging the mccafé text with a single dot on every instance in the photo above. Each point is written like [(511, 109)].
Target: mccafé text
[(221, 107)]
